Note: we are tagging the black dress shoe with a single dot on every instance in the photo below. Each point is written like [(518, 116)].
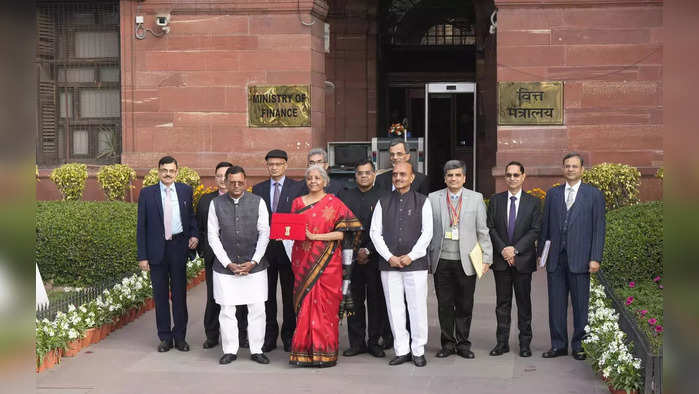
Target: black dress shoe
[(259, 358), (376, 351), (243, 342), (553, 352), (445, 352), (580, 355), (353, 351), (165, 346), (465, 353), (499, 350), (287, 347), (525, 352), (209, 343), (420, 361), (268, 348), (182, 346), (398, 360), (227, 358)]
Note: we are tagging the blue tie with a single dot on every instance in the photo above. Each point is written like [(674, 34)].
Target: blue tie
[(511, 220)]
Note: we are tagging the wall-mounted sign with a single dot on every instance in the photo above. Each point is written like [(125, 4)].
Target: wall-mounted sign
[(279, 106), (530, 103)]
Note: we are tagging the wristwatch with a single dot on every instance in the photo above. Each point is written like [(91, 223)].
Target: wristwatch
[(516, 252)]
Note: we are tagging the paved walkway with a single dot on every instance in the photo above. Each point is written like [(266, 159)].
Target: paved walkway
[(127, 362)]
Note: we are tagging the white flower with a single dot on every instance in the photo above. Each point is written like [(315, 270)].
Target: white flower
[(72, 333), (71, 308)]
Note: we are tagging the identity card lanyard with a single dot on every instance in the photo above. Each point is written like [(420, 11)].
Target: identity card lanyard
[(454, 213)]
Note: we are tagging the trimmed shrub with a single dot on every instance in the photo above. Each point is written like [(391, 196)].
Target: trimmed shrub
[(70, 180), (184, 175), (81, 243), (115, 181), (618, 182), (633, 250), (660, 174)]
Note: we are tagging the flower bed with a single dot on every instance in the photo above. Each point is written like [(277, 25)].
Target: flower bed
[(91, 322), (607, 347)]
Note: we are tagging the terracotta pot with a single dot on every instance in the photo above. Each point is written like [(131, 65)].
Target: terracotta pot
[(85, 341), (73, 348), (106, 329), (93, 334), (50, 359), (615, 391), (148, 303)]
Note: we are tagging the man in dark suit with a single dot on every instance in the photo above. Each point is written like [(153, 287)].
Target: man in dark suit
[(574, 222), (319, 157), (211, 324), (514, 220), (278, 192), (399, 153), (166, 228)]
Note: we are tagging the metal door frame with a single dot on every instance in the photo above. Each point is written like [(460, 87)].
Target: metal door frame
[(452, 88)]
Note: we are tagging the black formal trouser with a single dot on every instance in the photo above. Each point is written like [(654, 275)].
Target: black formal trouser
[(505, 282), (560, 282), (455, 303), (366, 286), (286, 280), (211, 325), (171, 275)]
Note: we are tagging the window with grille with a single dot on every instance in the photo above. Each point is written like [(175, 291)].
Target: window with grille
[(448, 34), (79, 82)]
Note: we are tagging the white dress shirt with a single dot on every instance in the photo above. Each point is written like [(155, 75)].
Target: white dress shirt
[(572, 189), (174, 207), (518, 198), (419, 249), (262, 237)]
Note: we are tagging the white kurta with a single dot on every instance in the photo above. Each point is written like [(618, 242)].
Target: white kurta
[(239, 289)]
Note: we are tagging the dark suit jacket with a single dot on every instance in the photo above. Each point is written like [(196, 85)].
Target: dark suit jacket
[(202, 223), (586, 228), (290, 190), (385, 182), (527, 230), (150, 230)]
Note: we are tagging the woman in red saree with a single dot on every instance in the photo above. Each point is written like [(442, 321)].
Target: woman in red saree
[(318, 272)]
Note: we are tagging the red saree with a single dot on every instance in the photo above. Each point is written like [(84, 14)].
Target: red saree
[(317, 267)]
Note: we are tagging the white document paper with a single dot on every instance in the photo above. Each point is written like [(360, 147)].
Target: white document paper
[(545, 253), (288, 244)]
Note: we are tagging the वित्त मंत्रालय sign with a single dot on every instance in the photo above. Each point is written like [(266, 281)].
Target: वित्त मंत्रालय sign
[(279, 106), (530, 103)]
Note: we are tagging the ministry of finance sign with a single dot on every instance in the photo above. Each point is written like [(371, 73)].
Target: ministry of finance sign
[(279, 106), (530, 103)]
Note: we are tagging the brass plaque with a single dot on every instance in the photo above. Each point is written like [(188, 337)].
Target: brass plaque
[(530, 103), (279, 106)]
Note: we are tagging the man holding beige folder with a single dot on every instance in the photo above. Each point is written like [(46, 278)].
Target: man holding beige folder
[(460, 252)]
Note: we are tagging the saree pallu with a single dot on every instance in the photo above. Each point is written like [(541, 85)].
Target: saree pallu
[(317, 267)]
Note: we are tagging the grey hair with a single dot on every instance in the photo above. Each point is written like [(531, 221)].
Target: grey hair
[(453, 165), (318, 151), (321, 171)]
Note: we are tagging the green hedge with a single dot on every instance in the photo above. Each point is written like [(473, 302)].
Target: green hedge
[(80, 243), (633, 248)]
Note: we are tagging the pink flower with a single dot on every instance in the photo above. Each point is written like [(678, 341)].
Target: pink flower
[(658, 328), (643, 312), (629, 300), (632, 284), (660, 286), (657, 279), (652, 321)]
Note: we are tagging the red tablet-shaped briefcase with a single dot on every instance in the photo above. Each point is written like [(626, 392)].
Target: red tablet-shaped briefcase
[(288, 226)]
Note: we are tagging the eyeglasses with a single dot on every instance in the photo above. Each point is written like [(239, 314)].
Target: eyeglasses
[(236, 183), (166, 171), (512, 175), (364, 173), (275, 164), (316, 162)]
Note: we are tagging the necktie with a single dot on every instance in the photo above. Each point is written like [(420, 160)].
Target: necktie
[(275, 200), (167, 214), (511, 220), (569, 199)]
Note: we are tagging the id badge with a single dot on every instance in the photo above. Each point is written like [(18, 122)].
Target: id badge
[(454, 234), (447, 235)]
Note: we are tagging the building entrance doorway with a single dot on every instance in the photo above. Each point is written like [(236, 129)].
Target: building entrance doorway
[(449, 116)]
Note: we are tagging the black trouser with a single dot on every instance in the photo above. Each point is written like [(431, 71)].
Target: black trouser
[(286, 281), (455, 303), (366, 286), (560, 282), (171, 273), (505, 282), (211, 325)]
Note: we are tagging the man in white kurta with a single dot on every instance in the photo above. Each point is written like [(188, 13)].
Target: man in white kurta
[(238, 233)]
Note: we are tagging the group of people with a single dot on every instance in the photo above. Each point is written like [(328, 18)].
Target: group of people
[(367, 251)]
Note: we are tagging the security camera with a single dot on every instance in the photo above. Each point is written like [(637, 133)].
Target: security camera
[(161, 20)]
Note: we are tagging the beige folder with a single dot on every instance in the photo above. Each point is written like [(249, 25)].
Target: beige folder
[(476, 255)]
